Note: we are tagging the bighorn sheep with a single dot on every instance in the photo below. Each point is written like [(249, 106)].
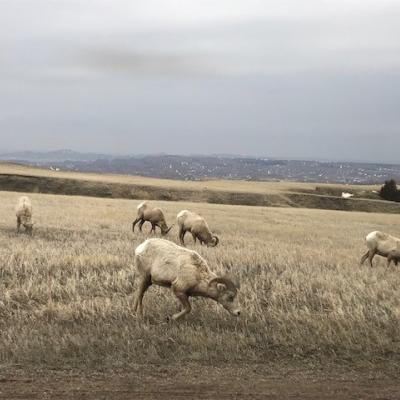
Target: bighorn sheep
[(23, 211), (384, 245), (154, 215), (195, 224), (164, 263)]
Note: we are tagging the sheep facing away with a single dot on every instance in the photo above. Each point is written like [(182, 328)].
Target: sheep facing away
[(163, 263), (195, 224), (23, 211), (154, 215), (384, 245)]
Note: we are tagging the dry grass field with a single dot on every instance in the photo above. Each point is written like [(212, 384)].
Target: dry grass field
[(66, 293)]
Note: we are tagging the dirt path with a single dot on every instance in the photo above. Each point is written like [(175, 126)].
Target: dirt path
[(198, 382)]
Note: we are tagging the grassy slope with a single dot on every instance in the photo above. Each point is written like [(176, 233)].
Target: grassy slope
[(279, 194), (222, 185), (65, 293)]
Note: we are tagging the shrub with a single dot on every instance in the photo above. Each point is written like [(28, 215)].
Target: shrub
[(389, 191)]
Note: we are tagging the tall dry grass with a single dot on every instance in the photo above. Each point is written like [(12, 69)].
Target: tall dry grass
[(66, 293)]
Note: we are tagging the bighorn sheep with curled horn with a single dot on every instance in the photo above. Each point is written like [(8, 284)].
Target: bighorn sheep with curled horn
[(23, 211), (195, 224), (152, 214), (384, 245), (164, 263)]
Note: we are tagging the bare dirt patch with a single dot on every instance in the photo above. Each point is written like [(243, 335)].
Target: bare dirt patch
[(200, 382)]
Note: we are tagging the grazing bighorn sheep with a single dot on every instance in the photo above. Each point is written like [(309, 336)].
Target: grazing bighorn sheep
[(384, 245), (164, 263), (154, 215), (23, 211), (195, 224)]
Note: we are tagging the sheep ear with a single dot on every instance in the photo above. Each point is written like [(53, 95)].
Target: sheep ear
[(221, 287)]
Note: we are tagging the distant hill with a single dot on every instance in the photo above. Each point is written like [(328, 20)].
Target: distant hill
[(197, 167)]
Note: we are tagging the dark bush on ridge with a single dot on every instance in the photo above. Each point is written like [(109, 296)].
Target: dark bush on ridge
[(389, 191)]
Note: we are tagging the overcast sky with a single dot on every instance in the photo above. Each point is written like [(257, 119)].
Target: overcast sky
[(280, 78)]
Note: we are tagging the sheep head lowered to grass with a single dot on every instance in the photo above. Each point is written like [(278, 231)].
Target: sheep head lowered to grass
[(195, 224), (154, 215), (161, 262)]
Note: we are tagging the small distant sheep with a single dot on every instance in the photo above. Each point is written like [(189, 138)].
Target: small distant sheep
[(152, 214), (384, 245), (23, 211), (347, 195), (195, 224)]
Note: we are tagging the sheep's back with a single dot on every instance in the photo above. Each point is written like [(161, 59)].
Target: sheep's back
[(382, 242), (23, 207), (165, 261)]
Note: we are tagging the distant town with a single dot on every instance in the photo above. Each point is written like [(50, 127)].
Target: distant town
[(211, 167)]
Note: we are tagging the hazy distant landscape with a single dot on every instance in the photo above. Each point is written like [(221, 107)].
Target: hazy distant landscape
[(199, 167)]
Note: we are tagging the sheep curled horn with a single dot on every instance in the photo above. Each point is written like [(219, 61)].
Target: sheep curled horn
[(229, 283), (215, 241)]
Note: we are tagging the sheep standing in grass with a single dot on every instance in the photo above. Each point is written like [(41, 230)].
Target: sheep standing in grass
[(152, 214), (23, 211), (384, 245), (164, 263), (195, 224)]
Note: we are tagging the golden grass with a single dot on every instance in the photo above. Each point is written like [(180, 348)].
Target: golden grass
[(66, 292)]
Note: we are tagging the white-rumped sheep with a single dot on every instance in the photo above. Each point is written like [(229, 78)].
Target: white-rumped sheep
[(195, 224), (23, 211), (154, 215), (164, 263), (384, 245)]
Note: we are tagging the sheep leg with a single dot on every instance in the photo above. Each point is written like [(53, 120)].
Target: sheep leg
[(134, 224), (153, 228), (142, 221), (161, 229), (143, 286), (364, 257), (182, 236), (371, 255), (28, 230), (194, 237), (391, 258), (18, 224), (183, 298)]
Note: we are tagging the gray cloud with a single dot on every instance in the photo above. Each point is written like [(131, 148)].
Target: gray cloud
[(116, 61), (275, 78)]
